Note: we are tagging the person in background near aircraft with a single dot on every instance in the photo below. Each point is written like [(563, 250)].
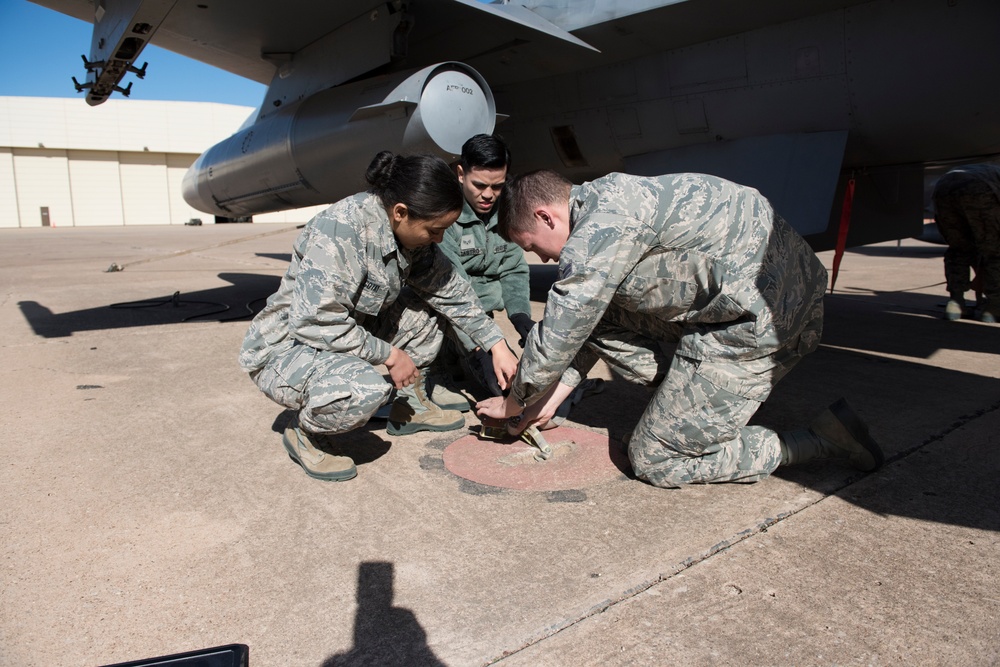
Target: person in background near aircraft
[(365, 277), (496, 267), (690, 285), (967, 212)]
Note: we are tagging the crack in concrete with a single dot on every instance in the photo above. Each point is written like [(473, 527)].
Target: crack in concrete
[(739, 537)]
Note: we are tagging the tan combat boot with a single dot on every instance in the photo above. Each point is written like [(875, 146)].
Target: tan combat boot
[(838, 433), (301, 447), (413, 411), (442, 395)]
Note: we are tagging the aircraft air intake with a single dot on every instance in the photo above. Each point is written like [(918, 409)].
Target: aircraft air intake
[(316, 151)]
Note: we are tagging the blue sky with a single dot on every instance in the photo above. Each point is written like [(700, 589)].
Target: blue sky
[(40, 50)]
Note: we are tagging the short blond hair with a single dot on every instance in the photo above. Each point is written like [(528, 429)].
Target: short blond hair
[(523, 193)]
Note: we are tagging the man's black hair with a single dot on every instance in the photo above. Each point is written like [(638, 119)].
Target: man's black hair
[(485, 151)]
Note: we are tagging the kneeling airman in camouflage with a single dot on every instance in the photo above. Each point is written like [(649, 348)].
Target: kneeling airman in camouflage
[(688, 284), (364, 288)]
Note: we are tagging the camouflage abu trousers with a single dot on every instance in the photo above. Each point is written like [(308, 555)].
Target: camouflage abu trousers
[(692, 431), (336, 392), (968, 216)]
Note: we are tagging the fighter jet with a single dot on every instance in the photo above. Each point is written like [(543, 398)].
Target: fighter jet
[(831, 108)]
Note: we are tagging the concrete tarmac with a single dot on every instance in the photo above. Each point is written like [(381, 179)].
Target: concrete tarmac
[(148, 507)]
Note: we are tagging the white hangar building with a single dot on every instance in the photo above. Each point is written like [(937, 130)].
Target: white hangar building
[(64, 163)]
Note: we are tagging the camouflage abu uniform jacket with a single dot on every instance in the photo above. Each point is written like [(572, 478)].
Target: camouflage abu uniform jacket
[(988, 174), (688, 253), (497, 269), (346, 269)]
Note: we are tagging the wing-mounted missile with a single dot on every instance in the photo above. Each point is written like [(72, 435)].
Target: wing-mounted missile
[(316, 151), (122, 28)]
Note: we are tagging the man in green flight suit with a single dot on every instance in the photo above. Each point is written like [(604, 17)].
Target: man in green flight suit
[(496, 268)]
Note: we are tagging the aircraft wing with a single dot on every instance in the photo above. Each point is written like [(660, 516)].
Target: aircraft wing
[(622, 30), (799, 99), (505, 42), (258, 38)]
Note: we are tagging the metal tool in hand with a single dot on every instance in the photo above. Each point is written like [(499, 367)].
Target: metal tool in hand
[(496, 430)]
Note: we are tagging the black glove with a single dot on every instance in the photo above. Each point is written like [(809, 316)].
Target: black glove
[(486, 376), (522, 324)]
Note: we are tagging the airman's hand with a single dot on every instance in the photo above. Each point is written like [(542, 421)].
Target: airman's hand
[(497, 407), (402, 370), (504, 364)]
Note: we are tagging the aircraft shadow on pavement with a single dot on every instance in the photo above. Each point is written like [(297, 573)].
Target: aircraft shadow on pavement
[(384, 634), (902, 323), (888, 250), (240, 300), (865, 356)]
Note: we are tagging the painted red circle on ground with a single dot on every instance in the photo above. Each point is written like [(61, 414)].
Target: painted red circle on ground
[(579, 459)]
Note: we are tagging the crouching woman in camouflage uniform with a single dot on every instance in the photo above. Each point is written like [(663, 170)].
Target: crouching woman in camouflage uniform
[(687, 284), (364, 288)]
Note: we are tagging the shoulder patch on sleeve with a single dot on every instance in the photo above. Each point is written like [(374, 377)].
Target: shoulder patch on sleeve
[(565, 270)]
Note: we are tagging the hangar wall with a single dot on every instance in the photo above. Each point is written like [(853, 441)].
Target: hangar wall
[(66, 164)]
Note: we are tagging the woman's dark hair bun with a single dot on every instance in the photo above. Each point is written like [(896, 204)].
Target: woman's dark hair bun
[(379, 172), (424, 183)]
